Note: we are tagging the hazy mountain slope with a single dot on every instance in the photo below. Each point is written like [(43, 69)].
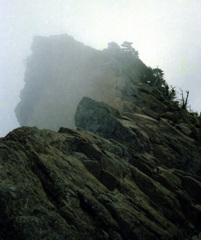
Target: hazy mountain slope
[(60, 72), (57, 72)]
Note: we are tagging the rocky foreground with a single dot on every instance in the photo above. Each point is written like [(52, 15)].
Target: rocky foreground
[(119, 176)]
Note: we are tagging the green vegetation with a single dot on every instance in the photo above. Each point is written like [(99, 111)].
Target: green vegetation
[(124, 62), (127, 63)]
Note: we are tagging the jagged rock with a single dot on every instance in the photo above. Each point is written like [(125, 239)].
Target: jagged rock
[(174, 106), (185, 129), (172, 116), (107, 122), (197, 134), (49, 189), (140, 134), (144, 100), (156, 93), (108, 180)]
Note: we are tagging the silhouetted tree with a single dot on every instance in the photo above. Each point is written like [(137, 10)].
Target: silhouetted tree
[(184, 101), (154, 78), (146, 76), (172, 93), (158, 77), (113, 46), (127, 47)]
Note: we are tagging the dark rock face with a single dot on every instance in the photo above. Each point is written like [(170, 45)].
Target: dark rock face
[(78, 185), (140, 134), (107, 122)]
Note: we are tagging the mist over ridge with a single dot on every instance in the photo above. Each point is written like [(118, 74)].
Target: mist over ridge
[(165, 33), (61, 71)]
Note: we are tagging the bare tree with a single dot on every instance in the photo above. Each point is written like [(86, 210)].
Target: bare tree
[(184, 100)]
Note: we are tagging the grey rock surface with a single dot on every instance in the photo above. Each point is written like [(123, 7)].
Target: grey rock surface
[(50, 189), (141, 134), (107, 122)]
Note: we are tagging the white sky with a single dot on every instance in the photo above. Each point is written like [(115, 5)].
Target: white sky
[(166, 33)]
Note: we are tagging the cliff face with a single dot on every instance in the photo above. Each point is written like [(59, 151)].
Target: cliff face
[(60, 72), (131, 170), (57, 74)]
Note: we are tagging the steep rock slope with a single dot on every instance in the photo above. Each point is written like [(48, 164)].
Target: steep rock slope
[(141, 134), (78, 185), (131, 170)]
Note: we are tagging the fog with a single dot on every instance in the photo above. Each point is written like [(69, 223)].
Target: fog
[(165, 33)]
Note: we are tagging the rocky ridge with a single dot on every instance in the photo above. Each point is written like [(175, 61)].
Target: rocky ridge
[(131, 170), (117, 177)]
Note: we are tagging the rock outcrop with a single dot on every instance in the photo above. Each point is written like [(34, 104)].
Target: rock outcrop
[(141, 134), (131, 170), (57, 75), (59, 72), (139, 179), (107, 122)]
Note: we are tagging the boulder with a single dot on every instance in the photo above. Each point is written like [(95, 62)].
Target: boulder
[(107, 122)]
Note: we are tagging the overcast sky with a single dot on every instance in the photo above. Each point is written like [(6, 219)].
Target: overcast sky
[(166, 33)]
